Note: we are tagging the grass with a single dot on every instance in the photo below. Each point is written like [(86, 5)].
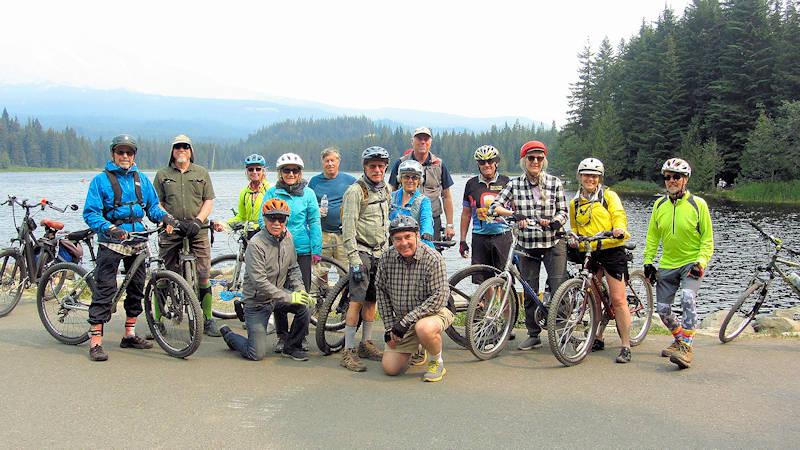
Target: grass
[(637, 187), (777, 192)]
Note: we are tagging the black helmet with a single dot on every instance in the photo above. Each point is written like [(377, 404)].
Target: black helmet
[(123, 139), (403, 223), (375, 153)]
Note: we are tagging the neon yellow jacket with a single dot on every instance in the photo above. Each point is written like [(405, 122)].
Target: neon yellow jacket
[(600, 218), (683, 228), (249, 204)]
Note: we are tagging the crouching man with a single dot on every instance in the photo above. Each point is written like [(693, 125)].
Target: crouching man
[(412, 291)]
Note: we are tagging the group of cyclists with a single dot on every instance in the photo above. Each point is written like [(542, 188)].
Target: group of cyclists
[(384, 232)]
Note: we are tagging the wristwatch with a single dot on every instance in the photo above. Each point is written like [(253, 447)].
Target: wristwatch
[(449, 224)]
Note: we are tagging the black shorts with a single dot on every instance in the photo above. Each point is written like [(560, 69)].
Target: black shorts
[(490, 249), (613, 260), (364, 292)]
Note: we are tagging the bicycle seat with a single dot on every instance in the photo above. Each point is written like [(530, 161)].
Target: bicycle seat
[(80, 235), (52, 224), (629, 246)]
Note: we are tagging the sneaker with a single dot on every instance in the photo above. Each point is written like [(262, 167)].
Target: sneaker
[(530, 343), (512, 336), (368, 350), (351, 360), (160, 326), (683, 357), (270, 325), (224, 330), (210, 328), (97, 353), (673, 347), (304, 344), (279, 346), (624, 355), (419, 358), (435, 371), (134, 342), (297, 355), (598, 345)]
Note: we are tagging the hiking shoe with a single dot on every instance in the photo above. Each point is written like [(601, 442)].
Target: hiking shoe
[(512, 336), (297, 355), (279, 346), (598, 345), (435, 371), (351, 361), (97, 353), (224, 330), (304, 344), (134, 342), (683, 357), (419, 358), (162, 330), (673, 347), (210, 328), (368, 350), (624, 355), (530, 343)]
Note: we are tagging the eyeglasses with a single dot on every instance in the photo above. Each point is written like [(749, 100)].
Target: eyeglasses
[(675, 177), (124, 152), (288, 170), (181, 147), (533, 158), (254, 169), (411, 177), (485, 161), (276, 218)]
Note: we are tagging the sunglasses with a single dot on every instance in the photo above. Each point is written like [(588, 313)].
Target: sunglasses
[(411, 177), (675, 177), (535, 158), (485, 161), (279, 219), (181, 147), (125, 152), (288, 170), (254, 169)]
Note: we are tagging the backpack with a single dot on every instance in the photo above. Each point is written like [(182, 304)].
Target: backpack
[(117, 188), (365, 198), (601, 198)]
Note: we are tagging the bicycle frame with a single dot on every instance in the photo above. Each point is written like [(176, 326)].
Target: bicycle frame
[(772, 266)]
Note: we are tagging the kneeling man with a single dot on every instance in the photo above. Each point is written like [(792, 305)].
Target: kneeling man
[(412, 292)]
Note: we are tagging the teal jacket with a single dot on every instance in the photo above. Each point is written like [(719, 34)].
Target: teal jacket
[(304, 221)]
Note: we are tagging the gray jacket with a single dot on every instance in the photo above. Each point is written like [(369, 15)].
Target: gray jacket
[(270, 268)]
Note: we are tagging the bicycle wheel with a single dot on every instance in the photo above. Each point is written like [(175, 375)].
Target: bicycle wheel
[(179, 329), (330, 325), (490, 318), (226, 285), (743, 311), (639, 293), (324, 276), (63, 297), (571, 322), (461, 290), (11, 280)]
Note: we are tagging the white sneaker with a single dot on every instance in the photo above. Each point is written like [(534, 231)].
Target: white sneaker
[(271, 324)]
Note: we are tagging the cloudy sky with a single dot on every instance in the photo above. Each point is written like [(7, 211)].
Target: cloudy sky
[(472, 58)]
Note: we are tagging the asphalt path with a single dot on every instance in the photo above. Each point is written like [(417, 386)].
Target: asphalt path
[(741, 394)]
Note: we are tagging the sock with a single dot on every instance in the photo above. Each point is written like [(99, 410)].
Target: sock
[(677, 332), (688, 337), (366, 331), (161, 292), (349, 337), (205, 300), (437, 357), (130, 326), (96, 332)]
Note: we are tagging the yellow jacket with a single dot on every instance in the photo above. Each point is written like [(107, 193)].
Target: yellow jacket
[(599, 217)]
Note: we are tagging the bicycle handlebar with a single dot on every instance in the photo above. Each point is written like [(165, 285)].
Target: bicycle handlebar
[(775, 241), (44, 203)]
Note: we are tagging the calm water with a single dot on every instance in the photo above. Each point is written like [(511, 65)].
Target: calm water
[(737, 247)]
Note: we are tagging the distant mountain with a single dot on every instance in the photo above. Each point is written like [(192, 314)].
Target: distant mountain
[(102, 113)]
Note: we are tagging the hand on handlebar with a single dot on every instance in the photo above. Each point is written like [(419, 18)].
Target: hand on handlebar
[(190, 228), (117, 234), (618, 233)]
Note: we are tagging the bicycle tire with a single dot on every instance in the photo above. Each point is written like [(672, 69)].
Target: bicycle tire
[(12, 280), (63, 296), (180, 330), (640, 304), (461, 290), (569, 332), (320, 287), (329, 333), (224, 287), (748, 304), (488, 327)]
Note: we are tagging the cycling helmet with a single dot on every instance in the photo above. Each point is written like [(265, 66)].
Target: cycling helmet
[(410, 166), (288, 159), (402, 222), (123, 139), (255, 159), (275, 206), (677, 165), (486, 152), (591, 166), (532, 145), (375, 153)]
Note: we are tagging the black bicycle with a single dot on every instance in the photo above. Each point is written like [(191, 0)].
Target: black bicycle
[(22, 264)]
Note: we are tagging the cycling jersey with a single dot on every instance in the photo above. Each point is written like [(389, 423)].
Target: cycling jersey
[(684, 229), (480, 194), (250, 204), (602, 213)]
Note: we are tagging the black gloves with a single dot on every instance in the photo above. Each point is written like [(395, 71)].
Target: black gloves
[(463, 248), (190, 228), (426, 237), (238, 306), (399, 330), (117, 234), (696, 271), (650, 273), (356, 273), (169, 220), (553, 225), (387, 336), (518, 216)]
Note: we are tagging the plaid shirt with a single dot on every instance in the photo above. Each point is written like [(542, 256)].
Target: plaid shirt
[(551, 205), (410, 290)]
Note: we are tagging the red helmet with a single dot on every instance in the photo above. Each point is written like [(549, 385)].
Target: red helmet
[(532, 145)]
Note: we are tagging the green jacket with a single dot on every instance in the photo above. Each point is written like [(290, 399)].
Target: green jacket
[(182, 193), (365, 221), (249, 204), (684, 229)]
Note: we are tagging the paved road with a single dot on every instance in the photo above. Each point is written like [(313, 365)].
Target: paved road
[(743, 394)]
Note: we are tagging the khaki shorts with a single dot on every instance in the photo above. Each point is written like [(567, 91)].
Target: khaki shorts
[(336, 253), (169, 247), (410, 341)]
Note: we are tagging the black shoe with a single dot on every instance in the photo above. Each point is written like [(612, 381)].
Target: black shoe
[(297, 355), (96, 353), (224, 330), (279, 346), (304, 344), (624, 355), (512, 336), (135, 342), (598, 345), (530, 343)]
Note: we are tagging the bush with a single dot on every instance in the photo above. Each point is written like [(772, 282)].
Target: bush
[(637, 187)]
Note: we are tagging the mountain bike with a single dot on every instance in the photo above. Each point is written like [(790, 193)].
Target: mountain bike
[(22, 265), (749, 303), (171, 308), (582, 305)]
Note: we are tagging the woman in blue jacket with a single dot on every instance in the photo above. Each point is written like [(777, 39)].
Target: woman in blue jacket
[(408, 200)]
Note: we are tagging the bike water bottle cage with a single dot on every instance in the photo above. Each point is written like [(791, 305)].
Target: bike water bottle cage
[(115, 186)]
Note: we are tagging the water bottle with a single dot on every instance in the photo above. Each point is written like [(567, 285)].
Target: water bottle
[(323, 206), (795, 279)]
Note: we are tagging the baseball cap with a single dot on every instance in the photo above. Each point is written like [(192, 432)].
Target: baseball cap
[(423, 130), (182, 139)]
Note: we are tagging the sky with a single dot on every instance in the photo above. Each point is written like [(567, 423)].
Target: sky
[(470, 58)]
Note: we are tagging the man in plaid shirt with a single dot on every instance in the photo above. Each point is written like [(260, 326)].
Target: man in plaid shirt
[(412, 291), (540, 209)]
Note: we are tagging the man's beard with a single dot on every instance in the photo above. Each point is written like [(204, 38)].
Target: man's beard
[(181, 159)]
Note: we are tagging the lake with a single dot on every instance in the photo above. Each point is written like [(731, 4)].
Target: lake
[(738, 248)]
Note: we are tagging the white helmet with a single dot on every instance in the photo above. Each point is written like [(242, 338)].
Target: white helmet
[(677, 165), (591, 166), (288, 159), (410, 166), (486, 153)]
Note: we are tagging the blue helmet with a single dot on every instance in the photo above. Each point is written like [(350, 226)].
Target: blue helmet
[(255, 159)]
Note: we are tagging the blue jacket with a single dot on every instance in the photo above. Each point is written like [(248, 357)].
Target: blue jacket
[(101, 196), (304, 221), (424, 216)]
